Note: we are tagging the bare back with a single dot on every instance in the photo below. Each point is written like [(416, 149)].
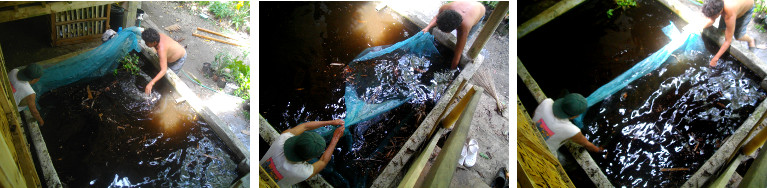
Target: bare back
[(737, 7), (173, 49)]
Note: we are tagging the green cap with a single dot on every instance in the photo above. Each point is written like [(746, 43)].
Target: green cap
[(31, 72), (571, 105), (303, 147)]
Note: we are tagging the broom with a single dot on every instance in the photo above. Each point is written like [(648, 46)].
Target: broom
[(485, 80)]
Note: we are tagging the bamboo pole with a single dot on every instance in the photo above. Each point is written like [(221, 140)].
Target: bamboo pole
[(455, 113), (214, 39), (441, 173), (756, 173), (215, 33), (412, 175)]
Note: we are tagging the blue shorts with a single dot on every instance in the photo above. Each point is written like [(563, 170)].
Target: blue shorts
[(740, 23), (176, 65)]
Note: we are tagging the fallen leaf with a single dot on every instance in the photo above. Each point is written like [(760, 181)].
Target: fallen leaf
[(246, 132)]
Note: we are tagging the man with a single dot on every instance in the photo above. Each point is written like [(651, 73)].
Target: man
[(735, 16), (461, 16), (286, 160), (168, 50), (553, 121), (22, 79)]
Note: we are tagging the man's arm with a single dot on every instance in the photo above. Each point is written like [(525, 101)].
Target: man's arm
[(580, 139), (431, 24), (33, 108), (463, 34), (163, 55), (728, 33), (325, 158), (308, 126)]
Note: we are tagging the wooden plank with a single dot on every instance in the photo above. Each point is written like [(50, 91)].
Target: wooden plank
[(89, 20), (213, 32), (215, 39), (76, 40), (54, 29), (17, 3), (32, 11), (22, 154)]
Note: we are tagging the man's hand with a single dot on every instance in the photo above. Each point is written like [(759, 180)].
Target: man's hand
[(338, 133), (148, 89), (713, 62), (337, 122), (41, 122), (425, 30)]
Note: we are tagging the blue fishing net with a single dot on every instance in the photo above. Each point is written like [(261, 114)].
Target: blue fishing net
[(92, 64), (379, 80), (645, 66), (384, 85)]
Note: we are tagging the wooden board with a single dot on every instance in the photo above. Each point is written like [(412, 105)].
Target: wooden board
[(33, 11)]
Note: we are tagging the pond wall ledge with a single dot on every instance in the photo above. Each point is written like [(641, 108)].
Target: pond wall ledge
[(50, 176), (269, 134), (220, 127), (546, 16)]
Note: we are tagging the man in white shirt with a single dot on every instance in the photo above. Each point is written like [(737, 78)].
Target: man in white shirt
[(286, 160), (21, 80), (552, 118)]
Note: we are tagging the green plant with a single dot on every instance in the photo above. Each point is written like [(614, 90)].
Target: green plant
[(622, 4), (760, 27), (129, 63), (235, 69)]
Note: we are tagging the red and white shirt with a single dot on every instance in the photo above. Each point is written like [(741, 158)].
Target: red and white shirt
[(284, 172), (554, 130)]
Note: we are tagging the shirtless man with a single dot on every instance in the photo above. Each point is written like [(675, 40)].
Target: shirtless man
[(736, 14), (460, 15), (168, 50)]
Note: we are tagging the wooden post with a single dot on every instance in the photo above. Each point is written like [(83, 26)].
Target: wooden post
[(492, 23), (546, 16), (130, 14)]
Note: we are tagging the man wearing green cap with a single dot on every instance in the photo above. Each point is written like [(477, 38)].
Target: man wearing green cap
[(22, 79), (286, 160), (552, 118)]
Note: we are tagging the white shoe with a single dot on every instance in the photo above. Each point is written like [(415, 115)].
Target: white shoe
[(472, 151), (463, 155)]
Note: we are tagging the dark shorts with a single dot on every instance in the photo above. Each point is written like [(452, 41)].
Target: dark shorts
[(176, 66), (741, 24)]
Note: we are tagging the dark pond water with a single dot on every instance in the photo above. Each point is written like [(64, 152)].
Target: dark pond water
[(121, 137), (671, 119), (301, 79)]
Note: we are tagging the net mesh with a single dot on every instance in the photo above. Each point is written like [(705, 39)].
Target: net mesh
[(92, 64)]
